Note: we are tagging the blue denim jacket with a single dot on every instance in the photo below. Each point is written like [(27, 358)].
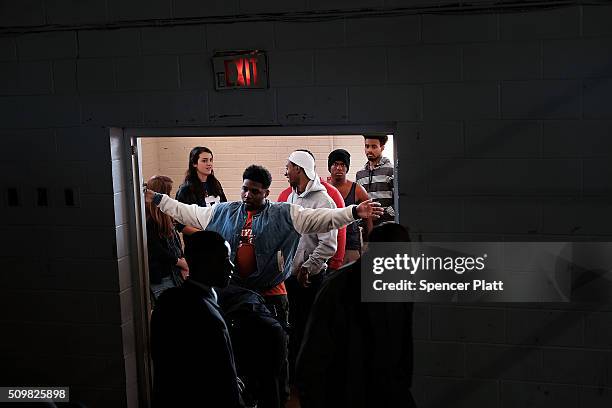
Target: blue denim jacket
[(274, 236), (276, 229)]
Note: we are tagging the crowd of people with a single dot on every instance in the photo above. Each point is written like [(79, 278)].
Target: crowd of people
[(262, 302)]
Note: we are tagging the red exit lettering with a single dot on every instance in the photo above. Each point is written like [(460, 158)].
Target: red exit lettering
[(241, 72)]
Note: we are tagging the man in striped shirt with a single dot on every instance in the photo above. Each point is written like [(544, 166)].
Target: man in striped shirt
[(377, 176)]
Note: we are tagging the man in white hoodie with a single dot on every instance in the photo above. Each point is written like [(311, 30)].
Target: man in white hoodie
[(313, 251)]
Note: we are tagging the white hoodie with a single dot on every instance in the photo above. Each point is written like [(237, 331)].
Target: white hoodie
[(314, 250)]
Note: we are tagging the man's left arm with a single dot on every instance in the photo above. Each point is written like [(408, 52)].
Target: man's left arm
[(327, 244), (314, 220)]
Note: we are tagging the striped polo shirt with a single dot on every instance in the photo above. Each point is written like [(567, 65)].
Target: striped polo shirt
[(378, 183)]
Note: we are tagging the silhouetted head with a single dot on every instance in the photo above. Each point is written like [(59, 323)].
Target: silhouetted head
[(389, 232), (208, 257)]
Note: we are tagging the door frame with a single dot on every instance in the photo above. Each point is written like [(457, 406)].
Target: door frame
[(132, 149)]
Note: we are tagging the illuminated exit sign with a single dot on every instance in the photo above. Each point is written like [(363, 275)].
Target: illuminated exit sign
[(240, 70)]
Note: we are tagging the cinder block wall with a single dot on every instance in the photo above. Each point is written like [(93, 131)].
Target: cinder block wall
[(503, 133), (169, 156), (66, 310)]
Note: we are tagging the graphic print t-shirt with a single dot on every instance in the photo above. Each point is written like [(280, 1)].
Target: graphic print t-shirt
[(209, 200), (245, 257)]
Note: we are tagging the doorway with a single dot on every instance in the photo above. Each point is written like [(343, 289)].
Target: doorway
[(166, 152)]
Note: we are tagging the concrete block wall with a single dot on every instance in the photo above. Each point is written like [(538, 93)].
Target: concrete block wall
[(169, 156), (67, 312), (503, 133)]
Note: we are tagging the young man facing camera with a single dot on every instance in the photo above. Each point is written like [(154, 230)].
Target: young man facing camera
[(338, 163)]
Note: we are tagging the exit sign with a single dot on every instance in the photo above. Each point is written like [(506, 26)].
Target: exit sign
[(240, 70)]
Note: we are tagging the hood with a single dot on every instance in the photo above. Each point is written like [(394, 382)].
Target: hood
[(312, 187)]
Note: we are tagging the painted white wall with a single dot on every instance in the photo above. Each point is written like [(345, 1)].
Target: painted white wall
[(232, 154)]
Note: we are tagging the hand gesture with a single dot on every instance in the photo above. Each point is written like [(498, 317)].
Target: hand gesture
[(182, 264), (369, 209), (149, 194)]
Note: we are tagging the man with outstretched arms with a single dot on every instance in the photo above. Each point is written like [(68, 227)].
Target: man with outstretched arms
[(263, 238), (268, 249)]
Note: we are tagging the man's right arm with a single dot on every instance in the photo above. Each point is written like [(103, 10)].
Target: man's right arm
[(185, 214), (184, 196)]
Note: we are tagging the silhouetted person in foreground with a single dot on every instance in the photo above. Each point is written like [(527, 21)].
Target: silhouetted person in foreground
[(193, 361), (356, 354)]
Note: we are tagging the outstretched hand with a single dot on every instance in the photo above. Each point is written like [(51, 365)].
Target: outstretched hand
[(149, 194), (369, 209)]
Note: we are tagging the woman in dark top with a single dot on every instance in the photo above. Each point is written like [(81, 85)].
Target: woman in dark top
[(200, 187), (167, 266)]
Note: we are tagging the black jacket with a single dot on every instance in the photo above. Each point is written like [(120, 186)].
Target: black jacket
[(193, 361), (184, 194), (162, 252), (355, 354)]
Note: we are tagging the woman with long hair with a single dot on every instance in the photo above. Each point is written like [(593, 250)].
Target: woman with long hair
[(167, 266), (200, 187)]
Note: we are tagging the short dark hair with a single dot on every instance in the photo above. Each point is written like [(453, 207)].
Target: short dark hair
[(258, 174), (381, 138), (203, 243), (206, 256)]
